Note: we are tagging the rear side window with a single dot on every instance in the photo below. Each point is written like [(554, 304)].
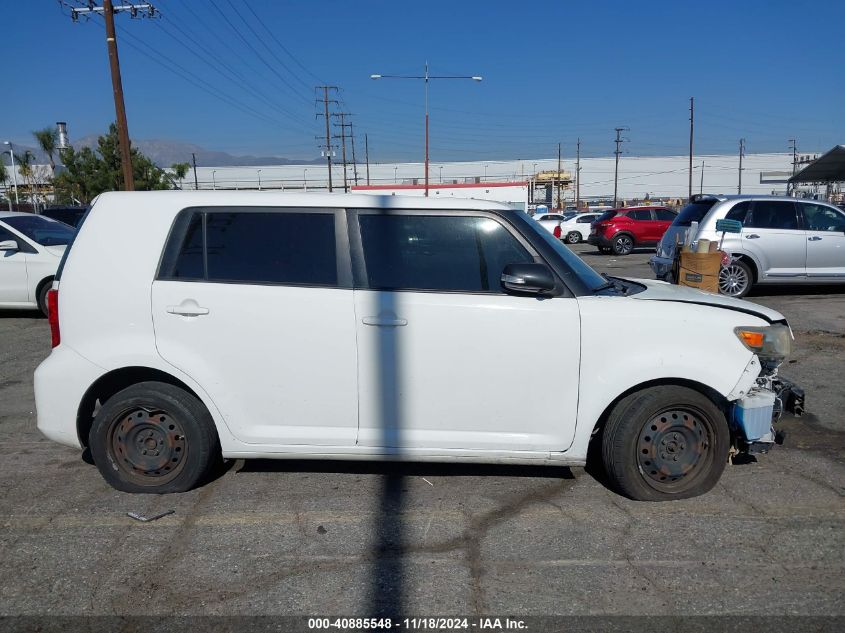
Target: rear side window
[(739, 211), (253, 247), (640, 214), (772, 214), (445, 253), (693, 212)]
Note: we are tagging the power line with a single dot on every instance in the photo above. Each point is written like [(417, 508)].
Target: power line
[(327, 115)]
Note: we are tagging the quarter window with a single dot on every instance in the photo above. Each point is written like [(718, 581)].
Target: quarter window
[(772, 214), (446, 253)]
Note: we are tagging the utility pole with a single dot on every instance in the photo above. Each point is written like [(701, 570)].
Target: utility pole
[(108, 10), (691, 124), (342, 136), (619, 141), (794, 146), (194, 160), (741, 154), (367, 157), (557, 177), (354, 160), (578, 175), (328, 150), (701, 188)]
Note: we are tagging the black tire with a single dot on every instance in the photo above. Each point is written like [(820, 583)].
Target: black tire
[(736, 279), (42, 297), (573, 237), (173, 425), (665, 443), (622, 244)]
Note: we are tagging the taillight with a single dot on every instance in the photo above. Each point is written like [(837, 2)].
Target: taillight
[(53, 316), (557, 231)]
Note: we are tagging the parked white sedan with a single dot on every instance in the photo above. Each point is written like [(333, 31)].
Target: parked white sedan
[(550, 221), (577, 228), (31, 247)]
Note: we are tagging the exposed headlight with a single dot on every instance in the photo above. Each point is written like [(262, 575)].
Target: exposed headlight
[(771, 342)]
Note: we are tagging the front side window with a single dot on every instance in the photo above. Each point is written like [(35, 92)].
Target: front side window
[(44, 231), (772, 214), (818, 217), (440, 253), (253, 247)]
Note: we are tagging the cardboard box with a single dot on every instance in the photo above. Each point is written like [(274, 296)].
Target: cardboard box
[(700, 270)]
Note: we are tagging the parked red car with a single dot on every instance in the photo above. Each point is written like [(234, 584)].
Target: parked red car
[(623, 230)]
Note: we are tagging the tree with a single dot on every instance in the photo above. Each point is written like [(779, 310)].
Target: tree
[(47, 140), (180, 170), (25, 169), (89, 172)]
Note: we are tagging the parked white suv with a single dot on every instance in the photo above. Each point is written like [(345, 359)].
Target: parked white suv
[(195, 326), (577, 227), (31, 247), (783, 240)]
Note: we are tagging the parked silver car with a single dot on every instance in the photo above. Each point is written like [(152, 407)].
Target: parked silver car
[(783, 240)]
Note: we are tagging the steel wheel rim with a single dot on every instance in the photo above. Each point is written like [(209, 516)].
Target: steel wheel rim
[(573, 237), (733, 280), (624, 244), (148, 446), (674, 448)]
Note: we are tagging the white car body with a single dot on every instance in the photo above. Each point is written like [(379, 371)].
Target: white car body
[(579, 224), (550, 221), (25, 270), (296, 371)]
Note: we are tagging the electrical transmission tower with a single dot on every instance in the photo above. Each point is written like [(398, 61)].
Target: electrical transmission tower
[(343, 125), (107, 10), (619, 141), (328, 150)]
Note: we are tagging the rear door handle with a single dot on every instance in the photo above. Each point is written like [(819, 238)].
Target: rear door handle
[(815, 238), (753, 236), (384, 321), (187, 308)]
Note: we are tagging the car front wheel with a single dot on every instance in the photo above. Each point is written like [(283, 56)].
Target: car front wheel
[(665, 443), (156, 438)]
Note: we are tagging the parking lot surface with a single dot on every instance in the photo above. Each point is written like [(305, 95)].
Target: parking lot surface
[(318, 538)]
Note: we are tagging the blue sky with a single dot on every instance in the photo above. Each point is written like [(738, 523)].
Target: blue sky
[(210, 73)]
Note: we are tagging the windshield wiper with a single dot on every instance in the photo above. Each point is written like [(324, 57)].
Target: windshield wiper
[(612, 283)]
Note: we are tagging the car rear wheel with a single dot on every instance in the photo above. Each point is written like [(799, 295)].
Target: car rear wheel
[(42, 298), (665, 443), (735, 279), (156, 438), (622, 245), (573, 237)]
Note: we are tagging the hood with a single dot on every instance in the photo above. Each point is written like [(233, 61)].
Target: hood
[(58, 251), (663, 291)]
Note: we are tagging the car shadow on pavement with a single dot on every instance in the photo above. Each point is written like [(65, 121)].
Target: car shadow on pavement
[(22, 314)]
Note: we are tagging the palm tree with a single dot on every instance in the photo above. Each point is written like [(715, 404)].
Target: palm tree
[(25, 161), (47, 139), (180, 170)]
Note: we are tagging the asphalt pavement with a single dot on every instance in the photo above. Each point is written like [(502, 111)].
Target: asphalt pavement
[(320, 538)]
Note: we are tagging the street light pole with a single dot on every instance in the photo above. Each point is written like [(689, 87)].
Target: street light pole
[(213, 180), (14, 172), (427, 78), (305, 178), (259, 180)]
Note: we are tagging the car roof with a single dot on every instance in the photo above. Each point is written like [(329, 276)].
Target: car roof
[(719, 197), (297, 199), (13, 214)]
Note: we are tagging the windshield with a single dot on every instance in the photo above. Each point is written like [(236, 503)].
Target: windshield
[(693, 212), (589, 277), (42, 230)]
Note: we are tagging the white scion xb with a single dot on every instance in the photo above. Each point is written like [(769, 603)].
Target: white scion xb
[(333, 326)]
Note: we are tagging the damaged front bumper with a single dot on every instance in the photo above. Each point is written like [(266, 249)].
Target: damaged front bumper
[(753, 417)]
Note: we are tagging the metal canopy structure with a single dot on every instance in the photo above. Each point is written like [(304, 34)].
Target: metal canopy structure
[(829, 167)]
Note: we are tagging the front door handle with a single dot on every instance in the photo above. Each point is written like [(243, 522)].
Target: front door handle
[(188, 308), (384, 321), (815, 238), (753, 236)]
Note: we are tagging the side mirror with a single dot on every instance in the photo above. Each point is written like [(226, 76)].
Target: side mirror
[(9, 245), (533, 279)]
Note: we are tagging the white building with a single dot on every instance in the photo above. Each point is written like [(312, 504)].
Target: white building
[(658, 176)]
